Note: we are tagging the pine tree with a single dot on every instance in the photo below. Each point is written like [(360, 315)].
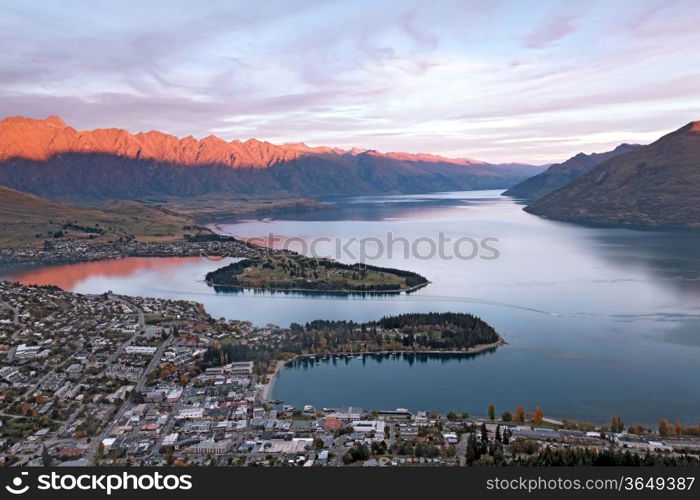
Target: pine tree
[(471, 449), (498, 454)]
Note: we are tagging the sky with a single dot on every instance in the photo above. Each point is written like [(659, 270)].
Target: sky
[(523, 80)]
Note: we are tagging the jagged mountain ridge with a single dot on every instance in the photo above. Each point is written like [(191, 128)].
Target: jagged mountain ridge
[(51, 159)]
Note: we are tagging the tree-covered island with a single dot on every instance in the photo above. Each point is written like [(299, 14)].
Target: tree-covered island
[(311, 274), (405, 333), (411, 332)]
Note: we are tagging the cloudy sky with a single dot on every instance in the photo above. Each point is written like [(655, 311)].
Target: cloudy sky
[(495, 80)]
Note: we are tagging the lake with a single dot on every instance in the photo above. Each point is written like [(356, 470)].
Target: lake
[(598, 321)]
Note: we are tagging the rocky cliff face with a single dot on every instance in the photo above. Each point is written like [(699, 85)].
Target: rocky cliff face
[(656, 186), (51, 159), (42, 139)]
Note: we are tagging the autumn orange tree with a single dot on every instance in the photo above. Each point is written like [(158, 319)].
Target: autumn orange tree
[(616, 425), (520, 414), (539, 415), (167, 370), (664, 428), (637, 429)]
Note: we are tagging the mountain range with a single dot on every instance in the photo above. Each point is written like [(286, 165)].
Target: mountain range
[(560, 174), (651, 186), (51, 159), (655, 186)]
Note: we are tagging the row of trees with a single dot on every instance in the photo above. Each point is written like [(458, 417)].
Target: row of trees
[(665, 429), (610, 457), (425, 331), (481, 450), (519, 416)]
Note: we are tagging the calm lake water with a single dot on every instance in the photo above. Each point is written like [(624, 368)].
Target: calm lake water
[(598, 321)]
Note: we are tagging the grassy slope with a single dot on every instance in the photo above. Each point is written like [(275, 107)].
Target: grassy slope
[(24, 216), (219, 206)]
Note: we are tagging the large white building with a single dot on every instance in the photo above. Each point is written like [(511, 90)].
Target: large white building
[(210, 447), (140, 349), (174, 395), (369, 426), (240, 368), (190, 413), (170, 439), (29, 351)]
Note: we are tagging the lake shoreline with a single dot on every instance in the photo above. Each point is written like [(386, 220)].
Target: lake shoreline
[(312, 290), (557, 292), (79, 252), (470, 350), (267, 388), (272, 377)]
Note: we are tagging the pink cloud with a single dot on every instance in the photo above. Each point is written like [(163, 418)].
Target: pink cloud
[(420, 36), (551, 30)]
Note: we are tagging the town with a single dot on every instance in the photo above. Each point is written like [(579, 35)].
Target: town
[(70, 250), (115, 380)]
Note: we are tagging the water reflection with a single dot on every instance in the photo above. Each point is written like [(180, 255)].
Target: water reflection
[(237, 290), (398, 207), (598, 321), (69, 276), (411, 358), (671, 256)]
